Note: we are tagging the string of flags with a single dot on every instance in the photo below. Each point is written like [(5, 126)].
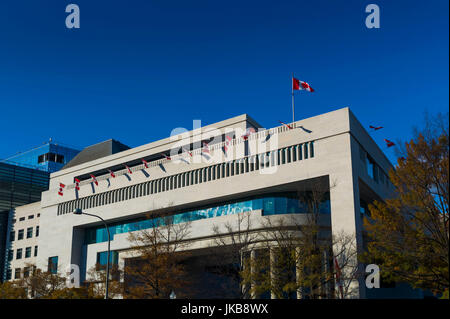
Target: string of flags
[(205, 149)]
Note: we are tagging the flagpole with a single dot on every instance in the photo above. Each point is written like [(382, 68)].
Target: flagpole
[(292, 88)]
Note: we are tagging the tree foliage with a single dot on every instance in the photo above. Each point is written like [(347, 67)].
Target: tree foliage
[(157, 269), (409, 233)]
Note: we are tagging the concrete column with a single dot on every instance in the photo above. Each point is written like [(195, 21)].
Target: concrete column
[(344, 200)]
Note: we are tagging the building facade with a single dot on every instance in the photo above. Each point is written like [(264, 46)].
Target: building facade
[(243, 168), (49, 157), (23, 178), (23, 241)]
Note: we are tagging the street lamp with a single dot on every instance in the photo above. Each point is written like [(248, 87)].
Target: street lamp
[(78, 211)]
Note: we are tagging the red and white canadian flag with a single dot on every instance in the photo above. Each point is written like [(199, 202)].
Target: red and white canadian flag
[(188, 151), (77, 184), (145, 163), (301, 85), (129, 170), (227, 143), (249, 131), (94, 180), (287, 125), (389, 143), (61, 189), (167, 157), (205, 148), (112, 173)]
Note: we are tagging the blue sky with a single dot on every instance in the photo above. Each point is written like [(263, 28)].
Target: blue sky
[(137, 69)]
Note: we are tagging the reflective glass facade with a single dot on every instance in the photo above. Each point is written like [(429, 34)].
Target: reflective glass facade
[(286, 203), (49, 157)]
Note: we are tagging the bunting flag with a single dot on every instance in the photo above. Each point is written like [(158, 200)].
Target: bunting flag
[(94, 180), (145, 163), (287, 125), (129, 170), (167, 157), (338, 277), (205, 148), (375, 128), (248, 132), (112, 173), (61, 189), (301, 85), (389, 143), (77, 184), (188, 151), (227, 143)]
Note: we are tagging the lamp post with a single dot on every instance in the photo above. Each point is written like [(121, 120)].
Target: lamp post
[(78, 211)]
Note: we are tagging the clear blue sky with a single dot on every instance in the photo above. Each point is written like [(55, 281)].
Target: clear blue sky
[(137, 69)]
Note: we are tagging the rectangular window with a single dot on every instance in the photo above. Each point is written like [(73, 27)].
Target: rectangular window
[(31, 217), (35, 251), (102, 257), (29, 232), (20, 234), (21, 219), (26, 272), (17, 273), (12, 236), (19, 253), (10, 254), (53, 265), (311, 149), (28, 252)]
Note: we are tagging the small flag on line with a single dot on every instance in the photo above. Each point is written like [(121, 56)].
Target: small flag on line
[(145, 163), (77, 184), (248, 132), (389, 143), (205, 148), (287, 125), (61, 189), (112, 173), (94, 179), (129, 170)]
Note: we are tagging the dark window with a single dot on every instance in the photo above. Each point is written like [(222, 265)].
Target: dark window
[(31, 217), (20, 234), (19, 253), (28, 252), (102, 257), (35, 251), (41, 158), (37, 231), (26, 272), (59, 158), (21, 219), (12, 236), (29, 232), (53, 265), (10, 254), (17, 273)]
